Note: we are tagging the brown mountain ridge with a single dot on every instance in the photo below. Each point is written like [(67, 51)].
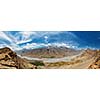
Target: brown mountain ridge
[(50, 52)]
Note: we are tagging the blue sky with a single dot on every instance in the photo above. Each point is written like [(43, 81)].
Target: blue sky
[(18, 40)]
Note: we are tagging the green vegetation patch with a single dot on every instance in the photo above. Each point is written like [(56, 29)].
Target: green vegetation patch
[(38, 63)]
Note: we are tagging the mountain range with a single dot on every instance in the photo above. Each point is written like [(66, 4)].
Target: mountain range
[(87, 59), (49, 52)]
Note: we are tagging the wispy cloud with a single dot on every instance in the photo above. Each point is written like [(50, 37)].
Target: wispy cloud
[(23, 41), (18, 38), (3, 36)]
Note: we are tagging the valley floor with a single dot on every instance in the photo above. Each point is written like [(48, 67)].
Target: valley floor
[(70, 62)]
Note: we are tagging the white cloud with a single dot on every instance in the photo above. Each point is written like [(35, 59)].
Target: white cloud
[(37, 45), (30, 46), (23, 41)]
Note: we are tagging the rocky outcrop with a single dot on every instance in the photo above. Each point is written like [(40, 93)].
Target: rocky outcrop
[(9, 59), (96, 63)]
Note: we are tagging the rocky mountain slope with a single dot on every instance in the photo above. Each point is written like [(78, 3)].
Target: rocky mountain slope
[(96, 62), (50, 52), (81, 61), (68, 58), (72, 59), (9, 59)]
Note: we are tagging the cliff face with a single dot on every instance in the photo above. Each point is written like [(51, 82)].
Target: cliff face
[(9, 59)]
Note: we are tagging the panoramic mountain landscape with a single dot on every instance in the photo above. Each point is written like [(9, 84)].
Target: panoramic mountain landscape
[(50, 50)]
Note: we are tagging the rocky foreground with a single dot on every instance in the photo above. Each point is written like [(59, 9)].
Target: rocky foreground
[(96, 62), (86, 59), (10, 60)]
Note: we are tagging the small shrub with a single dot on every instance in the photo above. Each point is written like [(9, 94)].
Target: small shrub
[(38, 63)]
